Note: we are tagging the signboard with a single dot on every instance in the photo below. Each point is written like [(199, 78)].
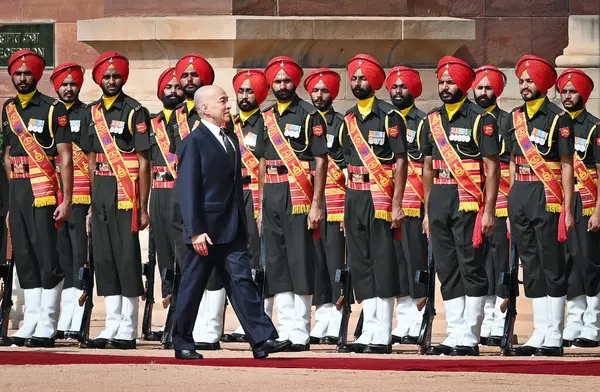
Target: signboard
[(38, 37)]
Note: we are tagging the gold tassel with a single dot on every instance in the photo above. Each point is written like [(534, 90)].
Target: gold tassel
[(412, 212), (82, 199), (256, 214), (501, 212), (301, 209), (553, 207), (385, 215), (589, 211), (335, 217), (125, 205), (468, 206), (44, 201)]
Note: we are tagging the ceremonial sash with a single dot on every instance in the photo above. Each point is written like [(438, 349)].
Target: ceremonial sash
[(301, 188), (335, 192), (184, 127), (382, 187), (250, 163), (163, 144), (503, 191), (81, 176), (44, 180), (586, 185), (414, 195), (127, 184), (472, 197)]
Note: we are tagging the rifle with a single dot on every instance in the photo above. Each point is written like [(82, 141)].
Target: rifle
[(509, 306), (148, 272), (175, 277), (6, 273), (428, 278), (344, 303), (86, 280)]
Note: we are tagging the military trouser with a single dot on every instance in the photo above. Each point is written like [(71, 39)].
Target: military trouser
[(73, 245), (162, 229), (496, 260)]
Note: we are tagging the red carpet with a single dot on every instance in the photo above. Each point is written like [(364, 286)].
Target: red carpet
[(570, 368)]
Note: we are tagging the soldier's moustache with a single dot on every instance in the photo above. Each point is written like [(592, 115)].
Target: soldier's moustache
[(171, 101), (362, 93), (25, 88), (448, 97), (283, 94), (402, 102), (484, 101)]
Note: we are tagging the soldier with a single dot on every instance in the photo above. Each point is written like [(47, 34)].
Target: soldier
[(323, 85), (540, 140), (193, 72), (117, 140), (487, 87), (72, 237), (251, 90), (36, 129), (404, 86), (374, 141), (169, 92), (458, 140), (293, 137), (583, 266)]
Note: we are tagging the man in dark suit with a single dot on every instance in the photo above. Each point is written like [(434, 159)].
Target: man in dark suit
[(212, 205)]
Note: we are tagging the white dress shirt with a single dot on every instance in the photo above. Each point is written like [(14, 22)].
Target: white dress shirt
[(216, 130)]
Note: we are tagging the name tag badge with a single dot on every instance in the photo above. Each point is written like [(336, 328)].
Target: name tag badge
[(35, 125), (250, 139), (330, 139), (292, 130), (75, 125), (580, 144), (117, 127), (376, 138), (410, 135)]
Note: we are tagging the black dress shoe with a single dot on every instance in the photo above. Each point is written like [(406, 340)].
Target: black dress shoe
[(378, 349), (397, 339), (494, 341), (465, 351), (94, 343), (567, 343), (410, 339), (483, 341), (351, 348), (154, 336), (296, 348), (583, 342), (60, 335), (120, 344), (549, 352), (202, 346), (7, 341), (440, 349), (522, 351), (71, 335), (234, 338), (39, 342), (187, 354), (262, 350), (331, 340), (314, 340)]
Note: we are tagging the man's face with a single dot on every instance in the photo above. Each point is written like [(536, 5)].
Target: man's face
[(246, 99), (172, 94), (400, 96), (321, 97), (283, 87), (112, 82), (448, 90), (23, 80), (484, 94), (217, 107), (360, 86), (68, 91), (190, 82), (571, 99), (529, 90)]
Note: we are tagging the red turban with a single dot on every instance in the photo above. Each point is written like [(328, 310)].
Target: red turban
[(258, 81), (164, 79), (410, 77), (330, 78), (203, 68), (62, 71), (33, 61), (582, 83), (288, 65), (541, 72), (370, 68), (106, 59), (496, 77), (460, 72)]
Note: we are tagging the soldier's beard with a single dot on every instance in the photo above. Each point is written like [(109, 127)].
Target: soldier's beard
[(247, 106), (402, 102), (362, 93), (189, 91), (323, 105), (23, 88), (485, 102), (170, 101), (284, 95), (448, 97)]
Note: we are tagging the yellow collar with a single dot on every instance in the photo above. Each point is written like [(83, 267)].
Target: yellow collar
[(575, 114), (490, 109), (167, 113), (282, 107), (365, 106), (109, 101), (534, 106), (190, 105), (408, 109), (244, 116), (452, 108), (26, 98), (68, 105)]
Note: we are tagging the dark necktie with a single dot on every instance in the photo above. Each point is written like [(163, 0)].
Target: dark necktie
[(228, 147)]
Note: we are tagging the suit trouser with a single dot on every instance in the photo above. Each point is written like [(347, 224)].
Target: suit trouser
[(232, 263), (34, 239), (73, 245), (160, 222), (117, 255), (252, 230), (496, 260)]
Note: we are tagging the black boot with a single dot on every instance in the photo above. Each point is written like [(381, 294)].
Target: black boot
[(465, 351), (522, 351), (549, 352), (378, 349), (583, 342), (40, 342), (439, 350), (120, 344), (7, 341), (94, 343)]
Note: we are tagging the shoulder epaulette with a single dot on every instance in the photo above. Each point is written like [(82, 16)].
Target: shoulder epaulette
[(339, 116), (271, 106), (435, 110), (420, 113), (133, 103), (386, 107), (308, 107), (9, 100)]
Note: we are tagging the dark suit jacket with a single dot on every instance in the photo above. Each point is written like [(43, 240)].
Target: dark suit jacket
[(209, 188)]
